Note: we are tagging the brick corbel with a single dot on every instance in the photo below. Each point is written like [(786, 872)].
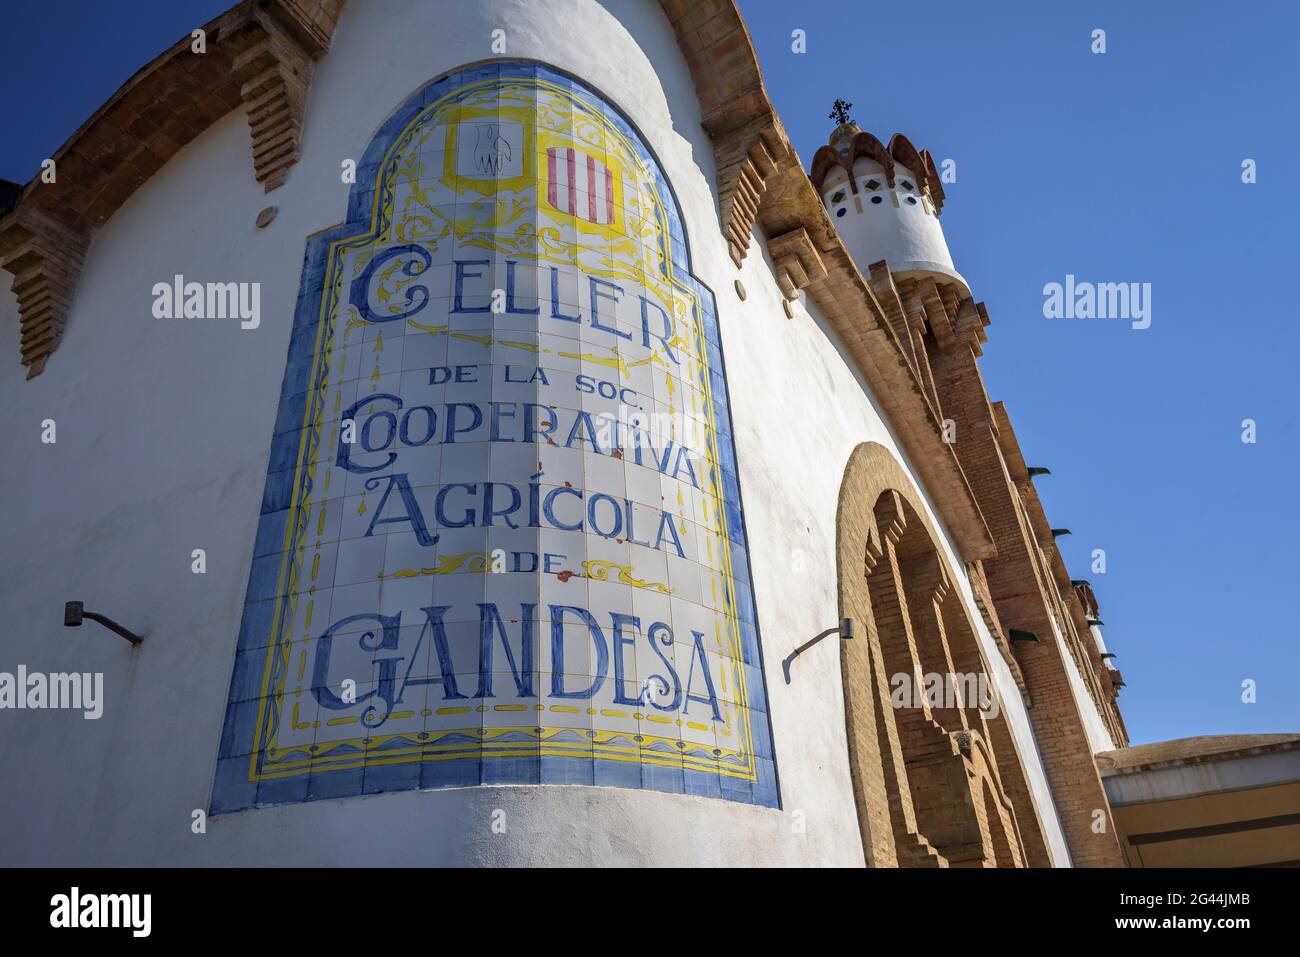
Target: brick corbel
[(936, 314), (796, 260), (971, 320), (942, 586), (747, 157), (891, 303), (891, 518), (871, 553), (45, 258), (274, 71)]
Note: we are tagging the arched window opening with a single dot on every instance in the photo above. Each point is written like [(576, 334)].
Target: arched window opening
[(926, 732)]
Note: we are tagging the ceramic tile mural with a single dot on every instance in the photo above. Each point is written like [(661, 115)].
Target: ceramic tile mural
[(501, 540)]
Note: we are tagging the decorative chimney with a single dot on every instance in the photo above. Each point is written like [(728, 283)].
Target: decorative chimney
[(884, 202)]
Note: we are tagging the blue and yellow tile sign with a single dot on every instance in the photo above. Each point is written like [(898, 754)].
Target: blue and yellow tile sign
[(501, 540)]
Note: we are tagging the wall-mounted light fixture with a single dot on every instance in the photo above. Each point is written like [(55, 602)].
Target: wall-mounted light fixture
[(1035, 470), (845, 630), (74, 612), (1096, 623), (1018, 635), (1058, 532)]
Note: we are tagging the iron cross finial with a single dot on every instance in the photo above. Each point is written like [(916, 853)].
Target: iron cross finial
[(840, 111)]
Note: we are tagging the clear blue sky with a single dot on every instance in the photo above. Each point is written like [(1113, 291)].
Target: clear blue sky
[(1117, 167)]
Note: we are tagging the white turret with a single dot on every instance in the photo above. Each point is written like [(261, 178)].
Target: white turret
[(885, 203)]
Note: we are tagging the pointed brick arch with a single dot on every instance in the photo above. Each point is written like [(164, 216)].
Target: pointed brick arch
[(938, 786)]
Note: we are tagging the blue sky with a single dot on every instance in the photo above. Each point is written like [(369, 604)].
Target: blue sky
[(1124, 166)]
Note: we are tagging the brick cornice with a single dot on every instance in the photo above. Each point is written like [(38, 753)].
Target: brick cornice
[(258, 54), (1059, 592), (761, 181)]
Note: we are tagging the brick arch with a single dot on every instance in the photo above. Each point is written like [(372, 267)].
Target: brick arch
[(927, 781), (901, 148)]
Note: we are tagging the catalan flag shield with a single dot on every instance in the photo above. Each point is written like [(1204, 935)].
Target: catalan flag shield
[(580, 185)]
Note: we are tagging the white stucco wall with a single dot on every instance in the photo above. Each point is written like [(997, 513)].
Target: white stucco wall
[(1100, 642), (163, 435), (1094, 726)]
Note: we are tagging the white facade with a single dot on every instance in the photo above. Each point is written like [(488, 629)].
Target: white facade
[(163, 435)]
